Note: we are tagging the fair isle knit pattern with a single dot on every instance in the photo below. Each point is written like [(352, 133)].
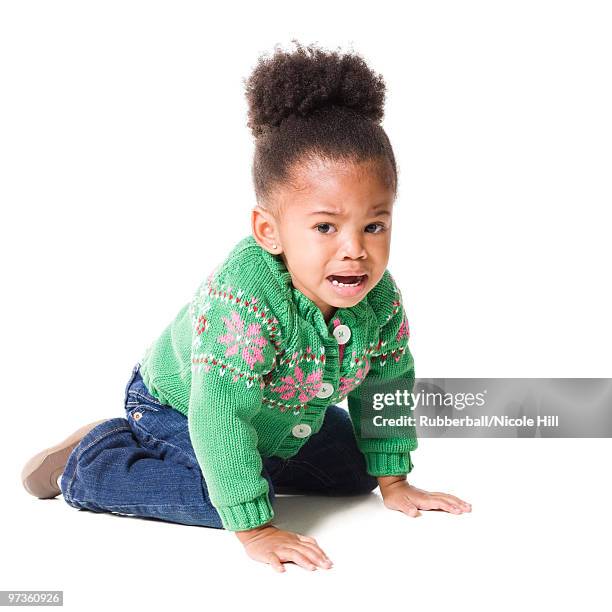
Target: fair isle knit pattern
[(253, 364)]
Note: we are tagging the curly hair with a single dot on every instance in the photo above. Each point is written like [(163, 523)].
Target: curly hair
[(309, 104)]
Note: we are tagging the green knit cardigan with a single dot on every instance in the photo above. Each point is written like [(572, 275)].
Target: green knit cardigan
[(253, 365)]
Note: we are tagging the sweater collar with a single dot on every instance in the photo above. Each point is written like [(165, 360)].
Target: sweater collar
[(306, 308)]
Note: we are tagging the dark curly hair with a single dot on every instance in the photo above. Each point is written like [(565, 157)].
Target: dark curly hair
[(311, 103)]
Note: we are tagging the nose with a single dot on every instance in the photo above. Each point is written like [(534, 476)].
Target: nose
[(353, 246)]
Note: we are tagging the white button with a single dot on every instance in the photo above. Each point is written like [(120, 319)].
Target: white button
[(342, 333), (302, 430), (325, 391)]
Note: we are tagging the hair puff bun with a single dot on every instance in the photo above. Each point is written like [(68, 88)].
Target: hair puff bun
[(307, 79)]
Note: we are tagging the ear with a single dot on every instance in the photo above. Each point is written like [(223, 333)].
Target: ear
[(265, 230)]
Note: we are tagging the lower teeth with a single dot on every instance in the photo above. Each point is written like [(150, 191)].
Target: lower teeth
[(338, 284)]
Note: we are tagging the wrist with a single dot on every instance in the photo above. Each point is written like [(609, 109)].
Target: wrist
[(246, 535), (386, 481)]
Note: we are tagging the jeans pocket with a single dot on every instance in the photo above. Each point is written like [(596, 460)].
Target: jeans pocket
[(145, 406), (160, 422), (141, 395), (140, 413)]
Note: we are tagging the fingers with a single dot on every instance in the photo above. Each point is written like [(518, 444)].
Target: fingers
[(407, 507), (441, 503), (459, 502), (299, 558), (313, 554), (275, 562), (467, 507), (312, 543), (284, 546), (317, 555)]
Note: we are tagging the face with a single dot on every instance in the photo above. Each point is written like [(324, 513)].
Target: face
[(332, 226)]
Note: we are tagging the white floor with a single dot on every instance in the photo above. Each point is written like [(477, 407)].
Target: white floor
[(539, 535)]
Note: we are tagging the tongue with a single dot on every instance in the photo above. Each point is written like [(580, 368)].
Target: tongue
[(349, 280)]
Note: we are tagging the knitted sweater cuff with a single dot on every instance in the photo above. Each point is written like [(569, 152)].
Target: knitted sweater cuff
[(388, 464), (247, 515)]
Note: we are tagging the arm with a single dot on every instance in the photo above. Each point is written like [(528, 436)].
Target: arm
[(385, 481), (387, 456), (231, 351), (399, 495), (389, 459), (225, 444)]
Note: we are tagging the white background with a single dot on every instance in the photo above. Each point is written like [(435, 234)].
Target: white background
[(125, 177)]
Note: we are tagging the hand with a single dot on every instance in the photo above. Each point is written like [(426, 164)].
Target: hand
[(269, 544), (399, 495)]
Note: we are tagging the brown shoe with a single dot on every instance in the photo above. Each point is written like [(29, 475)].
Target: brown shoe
[(40, 473)]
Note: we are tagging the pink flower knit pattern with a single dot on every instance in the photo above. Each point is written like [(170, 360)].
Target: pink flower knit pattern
[(293, 384), (348, 384), (250, 343)]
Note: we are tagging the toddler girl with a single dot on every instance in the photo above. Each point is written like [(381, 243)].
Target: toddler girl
[(235, 400)]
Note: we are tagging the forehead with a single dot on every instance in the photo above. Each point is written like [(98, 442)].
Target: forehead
[(337, 184)]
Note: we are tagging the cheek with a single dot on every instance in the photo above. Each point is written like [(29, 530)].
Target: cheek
[(313, 267), (382, 249), (306, 263)]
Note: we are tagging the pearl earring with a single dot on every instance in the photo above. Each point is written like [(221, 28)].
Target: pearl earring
[(274, 246)]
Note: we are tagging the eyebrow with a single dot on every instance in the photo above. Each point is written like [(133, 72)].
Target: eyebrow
[(334, 213)]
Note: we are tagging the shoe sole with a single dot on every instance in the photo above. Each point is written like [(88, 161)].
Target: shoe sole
[(39, 475)]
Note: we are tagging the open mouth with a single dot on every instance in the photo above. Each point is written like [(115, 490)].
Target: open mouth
[(348, 286), (347, 281)]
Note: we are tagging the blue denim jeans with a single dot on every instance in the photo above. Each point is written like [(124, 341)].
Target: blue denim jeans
[(144, 465)]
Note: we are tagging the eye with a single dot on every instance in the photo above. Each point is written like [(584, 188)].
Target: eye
[(324, 225), (379, 225)]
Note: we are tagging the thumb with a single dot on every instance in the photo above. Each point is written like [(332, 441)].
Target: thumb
[(409, 508), (275, 562)]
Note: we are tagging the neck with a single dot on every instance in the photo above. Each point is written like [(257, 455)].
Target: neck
[(329, 315)]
